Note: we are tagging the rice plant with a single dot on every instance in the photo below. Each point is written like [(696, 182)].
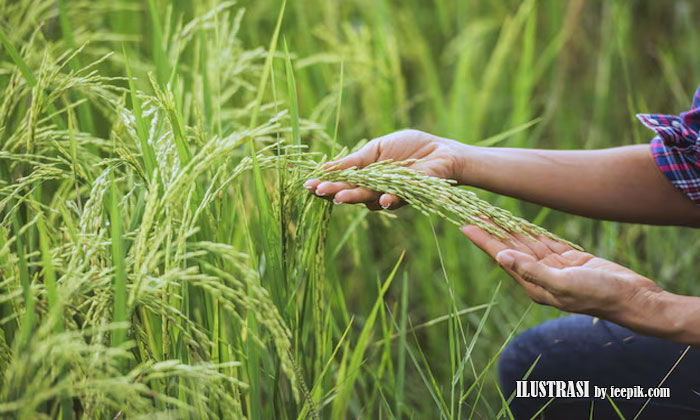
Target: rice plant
[(159, 257), (432, 195)]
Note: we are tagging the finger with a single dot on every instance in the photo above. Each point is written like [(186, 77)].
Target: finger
[(494, 247), (488, 243), (535, 247), (508, 239), (555, 246), (357, 195), (328, 188), (574, 257), (361, 158), (390, 201), (312, 184), (492, 244), (529, 269), (536, 293)]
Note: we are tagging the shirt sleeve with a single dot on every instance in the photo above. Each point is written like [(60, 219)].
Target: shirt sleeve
[(676, 147)]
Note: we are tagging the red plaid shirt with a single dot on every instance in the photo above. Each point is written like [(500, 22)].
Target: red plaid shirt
[(676, 147)]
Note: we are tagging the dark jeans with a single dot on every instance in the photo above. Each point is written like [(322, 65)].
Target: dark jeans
[(577, 348)]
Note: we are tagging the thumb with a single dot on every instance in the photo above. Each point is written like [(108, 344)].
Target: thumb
[(361, 158), (528, 268)]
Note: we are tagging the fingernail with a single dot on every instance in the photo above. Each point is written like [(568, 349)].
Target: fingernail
[(320, 194), (307, 184), (308, 187), (385, 207), (337, 202), (506, 260)]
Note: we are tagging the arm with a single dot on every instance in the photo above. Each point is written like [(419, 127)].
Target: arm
[(554, 274), (621, 184), (663, 314)]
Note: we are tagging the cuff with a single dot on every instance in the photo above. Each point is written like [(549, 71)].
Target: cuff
[(681, 165)]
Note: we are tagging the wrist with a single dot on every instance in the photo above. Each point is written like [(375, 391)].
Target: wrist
[(655, 312), (468, 164)]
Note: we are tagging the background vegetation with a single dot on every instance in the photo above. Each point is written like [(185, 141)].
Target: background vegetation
[(151, 265)]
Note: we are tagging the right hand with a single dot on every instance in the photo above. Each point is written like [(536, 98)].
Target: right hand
[(439, 157)]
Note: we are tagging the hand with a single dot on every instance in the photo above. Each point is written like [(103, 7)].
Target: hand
[(553, 273), (440, 157)]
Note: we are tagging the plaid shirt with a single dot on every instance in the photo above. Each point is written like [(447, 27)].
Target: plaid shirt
[(676, 147)]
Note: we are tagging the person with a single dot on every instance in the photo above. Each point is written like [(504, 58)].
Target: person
[(629, 331)]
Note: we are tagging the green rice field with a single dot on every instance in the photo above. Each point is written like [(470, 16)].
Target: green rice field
[(160, 258)]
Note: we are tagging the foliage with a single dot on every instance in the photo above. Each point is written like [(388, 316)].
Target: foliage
[(160, 259)]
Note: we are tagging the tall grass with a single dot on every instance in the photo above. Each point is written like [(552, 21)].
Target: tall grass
[(160, 259)]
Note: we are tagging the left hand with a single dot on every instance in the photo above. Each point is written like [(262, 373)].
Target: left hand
[(553, 273)]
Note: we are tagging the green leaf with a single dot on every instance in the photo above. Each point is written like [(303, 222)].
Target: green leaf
[(118, 262), (269, 228), (159, 56), (292, 92), (343, 398), (149, 157)]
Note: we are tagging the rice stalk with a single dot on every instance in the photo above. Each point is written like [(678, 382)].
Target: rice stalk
[(433, 195)]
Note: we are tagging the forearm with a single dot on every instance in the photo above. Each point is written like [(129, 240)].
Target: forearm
[(621, 184), (661, 314)]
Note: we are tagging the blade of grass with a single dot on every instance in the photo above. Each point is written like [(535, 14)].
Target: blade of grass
[(317, 388), (49, 275), (361, 215), (342, 400), (204, 72), (74, 158), (19, 62), (251, 349), (496, 64), (159, 56), (427, 376), (495, 139), (440, 319), (292, 92), (480, 328), (524, 77), (505, 404), (269, 231), (119, 314), (67, 33), (337, 111), (401, 364), (544, 407), (493, 359), (28, 319), (267, 68), (149, 158), (55, 305)]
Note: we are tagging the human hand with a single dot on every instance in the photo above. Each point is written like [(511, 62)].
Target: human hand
[(439, 157), (553, 273)]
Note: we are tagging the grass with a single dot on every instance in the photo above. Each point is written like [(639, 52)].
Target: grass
[(160, 259)]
